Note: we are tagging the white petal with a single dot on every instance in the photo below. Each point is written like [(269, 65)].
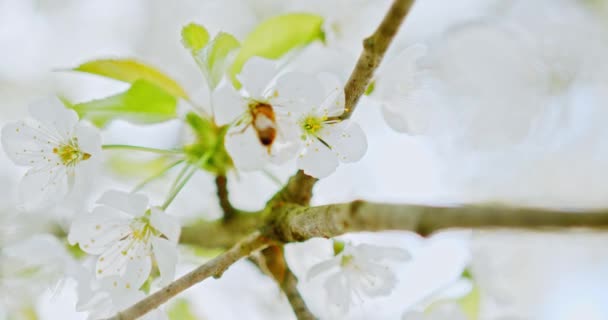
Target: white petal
[(165, 253), (395, 120), (347, 140), (297, 92), (168, 225), (334, 100), (322, 267), (318, 160), (339, 291), (27, 145), (228, 105), (89, 139), (95, 232), (113, 261), (55, 116), (246, 151), (134, 204), (375, 280), (399, 76), (256, 75), (377, 253), (41, 188)]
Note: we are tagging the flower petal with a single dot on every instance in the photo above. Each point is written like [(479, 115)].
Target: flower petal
[(27, 145), (375, 280), (339, 291), (377, 253), (134, 204), (256, 76), (317, 160), (333, 103), (96, 231), (395, 120), (165, 223), (89, 139), (322, 267), (165, 253), (246, 151), (347, 140), (41, 188), (298, 92), (228, 105), (55, 116)]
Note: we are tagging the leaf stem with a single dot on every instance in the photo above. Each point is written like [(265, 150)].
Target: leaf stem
[(140, 148), (159, 174), (180, 185)]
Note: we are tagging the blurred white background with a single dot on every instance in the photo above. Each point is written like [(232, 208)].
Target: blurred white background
[(520, 275)]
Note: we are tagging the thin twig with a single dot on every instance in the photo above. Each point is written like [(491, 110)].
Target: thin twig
[(214, 267), (221, 183), (374, 48), (273, 262)]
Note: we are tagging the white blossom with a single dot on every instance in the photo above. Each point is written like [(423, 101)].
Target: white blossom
[(401, 89), (56, 146), (28, 267), (126, 234), (103, 298), (262, 130), (326, 140), (358, 270)]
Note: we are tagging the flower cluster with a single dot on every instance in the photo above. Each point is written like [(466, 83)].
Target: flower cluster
[(278, 117)]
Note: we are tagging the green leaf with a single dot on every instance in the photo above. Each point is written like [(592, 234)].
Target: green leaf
[(370, 88), (215, 57), (143, 103), (181, 310), (470, 304), (277, 36), (130, 70), (194, 37)]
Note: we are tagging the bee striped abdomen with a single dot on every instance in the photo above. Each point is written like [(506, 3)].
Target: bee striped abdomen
[(264, 123)]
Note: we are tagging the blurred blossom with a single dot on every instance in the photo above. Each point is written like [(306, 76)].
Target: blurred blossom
[(28, 268)]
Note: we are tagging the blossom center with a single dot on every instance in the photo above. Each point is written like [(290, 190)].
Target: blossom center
[(70, 154), (311, 125), (346, 260)]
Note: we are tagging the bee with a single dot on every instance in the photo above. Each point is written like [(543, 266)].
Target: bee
[(263, 121)]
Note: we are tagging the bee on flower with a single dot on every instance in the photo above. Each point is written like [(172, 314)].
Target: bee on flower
[(56, 146), (259, 114)]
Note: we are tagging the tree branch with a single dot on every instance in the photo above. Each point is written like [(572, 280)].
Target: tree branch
[(221, 183), (374, 48), (221, 234), (297, 223), (214, 267), (273, 262), (298, 190)]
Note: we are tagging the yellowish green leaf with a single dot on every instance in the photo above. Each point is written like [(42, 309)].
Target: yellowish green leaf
[(277, 36), (143, 103), (194, 37), (181, 310), (131, 70), (215, 57)]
